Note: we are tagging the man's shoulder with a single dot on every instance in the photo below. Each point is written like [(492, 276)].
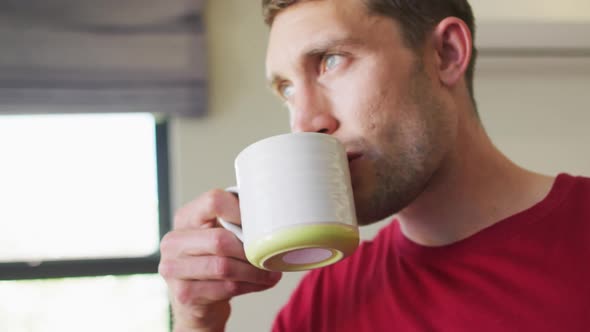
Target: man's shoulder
[(573, 189), (568, 200), (580, 182)]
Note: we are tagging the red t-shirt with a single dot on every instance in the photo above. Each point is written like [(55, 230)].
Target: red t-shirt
[(529, 272)]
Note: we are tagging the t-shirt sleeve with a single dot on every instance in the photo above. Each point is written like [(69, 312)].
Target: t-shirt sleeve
[(296, 315)]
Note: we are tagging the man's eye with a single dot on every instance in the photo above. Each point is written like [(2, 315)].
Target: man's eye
[(331, 61), (286, 90)]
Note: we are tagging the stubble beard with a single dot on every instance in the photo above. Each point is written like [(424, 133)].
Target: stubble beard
[(402, 173)]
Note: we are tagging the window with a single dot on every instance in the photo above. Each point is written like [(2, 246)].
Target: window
[(83, 205)]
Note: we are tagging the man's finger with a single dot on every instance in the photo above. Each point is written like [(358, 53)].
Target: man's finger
[(203, 211), (195, 293), (212, 268), (202, 242)]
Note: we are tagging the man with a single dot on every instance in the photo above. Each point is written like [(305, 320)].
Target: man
[(477, 243)]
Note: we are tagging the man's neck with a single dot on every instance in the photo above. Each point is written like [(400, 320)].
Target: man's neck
[(477, 187)]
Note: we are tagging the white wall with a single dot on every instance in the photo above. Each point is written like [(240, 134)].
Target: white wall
[(538, 117), (537, 111), (532, 10)]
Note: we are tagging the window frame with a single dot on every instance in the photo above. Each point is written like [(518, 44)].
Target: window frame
[(108, 266)]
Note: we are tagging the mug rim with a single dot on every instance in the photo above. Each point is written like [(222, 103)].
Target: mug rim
[(275, 137)]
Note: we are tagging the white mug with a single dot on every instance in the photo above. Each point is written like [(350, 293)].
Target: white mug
[(296, 202)]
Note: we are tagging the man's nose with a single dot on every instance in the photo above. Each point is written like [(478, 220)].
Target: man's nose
[(312, 112)]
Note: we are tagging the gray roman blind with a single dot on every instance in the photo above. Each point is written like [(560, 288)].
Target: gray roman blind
[(64, 56)]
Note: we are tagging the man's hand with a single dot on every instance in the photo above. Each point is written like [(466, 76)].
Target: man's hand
[(205, 265)]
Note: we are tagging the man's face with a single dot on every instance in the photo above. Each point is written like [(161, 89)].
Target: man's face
[(346, 73)]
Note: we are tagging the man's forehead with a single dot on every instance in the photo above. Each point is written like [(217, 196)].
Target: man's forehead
[(305, 26), (319, 14)]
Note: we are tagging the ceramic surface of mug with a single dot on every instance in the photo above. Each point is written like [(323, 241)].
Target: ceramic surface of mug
[(296, 202)]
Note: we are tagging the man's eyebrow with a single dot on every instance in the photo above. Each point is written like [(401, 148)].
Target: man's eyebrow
[(274, 80), (324, 46), (314, 49)]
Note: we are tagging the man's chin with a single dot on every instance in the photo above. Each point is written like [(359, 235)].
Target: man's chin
[(371, 209), (369, 220), (367, 214)]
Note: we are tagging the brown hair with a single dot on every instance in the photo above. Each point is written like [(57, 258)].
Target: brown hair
[(417, 19)]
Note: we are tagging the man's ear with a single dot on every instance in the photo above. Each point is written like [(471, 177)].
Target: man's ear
[(453, 46)]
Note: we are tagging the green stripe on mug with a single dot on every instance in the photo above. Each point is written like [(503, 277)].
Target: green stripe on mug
[(303, 247)]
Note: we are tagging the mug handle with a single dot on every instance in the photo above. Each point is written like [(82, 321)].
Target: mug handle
[(235, 229)]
